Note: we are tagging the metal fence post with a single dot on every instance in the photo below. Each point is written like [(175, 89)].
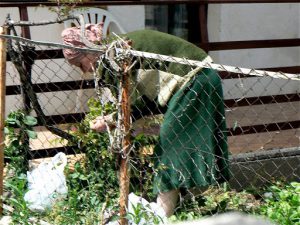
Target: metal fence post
[(3, 30)]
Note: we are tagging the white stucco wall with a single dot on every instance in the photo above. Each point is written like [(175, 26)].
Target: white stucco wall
[(226, 22), (43, 71), (130, 18), (239, 22)]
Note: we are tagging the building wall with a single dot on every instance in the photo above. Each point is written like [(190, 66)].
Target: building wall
[(226, 22), (239, 22), (129, 17)]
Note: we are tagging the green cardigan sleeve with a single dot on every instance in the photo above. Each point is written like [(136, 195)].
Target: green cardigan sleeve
[(166, 44)]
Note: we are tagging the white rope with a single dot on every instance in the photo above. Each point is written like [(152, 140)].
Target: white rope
[(218, 67)]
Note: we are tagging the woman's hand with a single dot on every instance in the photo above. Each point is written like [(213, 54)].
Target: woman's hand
[(101, 122)]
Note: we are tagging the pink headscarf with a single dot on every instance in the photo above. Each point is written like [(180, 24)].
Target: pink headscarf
[(72, 36)]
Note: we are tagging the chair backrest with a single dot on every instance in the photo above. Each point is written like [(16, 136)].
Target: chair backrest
[(94, 16)]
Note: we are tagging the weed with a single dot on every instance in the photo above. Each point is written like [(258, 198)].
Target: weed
[(282, 203), (18, 130)]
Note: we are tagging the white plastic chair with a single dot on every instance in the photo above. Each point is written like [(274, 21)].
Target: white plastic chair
[(94, 16)]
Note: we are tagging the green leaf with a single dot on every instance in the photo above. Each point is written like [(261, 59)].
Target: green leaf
[(74, 175), (30, 121), (83, 177), (31, 134), (18, 122), (14, 143), (11, 121), (6, 130)]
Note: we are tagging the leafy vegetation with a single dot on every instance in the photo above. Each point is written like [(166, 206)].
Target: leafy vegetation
[(282, 203), (93, 187), (92, 180), (278, 202), (18, 130), (217, 200), (16, 187), (142, 215)]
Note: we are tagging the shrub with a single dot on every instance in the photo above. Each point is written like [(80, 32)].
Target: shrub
[(282, 203)]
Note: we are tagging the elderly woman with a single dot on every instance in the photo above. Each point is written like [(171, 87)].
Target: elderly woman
[(192, 149)]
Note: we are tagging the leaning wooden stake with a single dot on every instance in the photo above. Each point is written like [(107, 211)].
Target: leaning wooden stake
[(124, 173), (2, 108)]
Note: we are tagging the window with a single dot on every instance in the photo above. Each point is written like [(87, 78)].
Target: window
[(180, 20)]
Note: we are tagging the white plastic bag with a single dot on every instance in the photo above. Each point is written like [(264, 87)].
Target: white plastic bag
[(46, 184), (151, 208)]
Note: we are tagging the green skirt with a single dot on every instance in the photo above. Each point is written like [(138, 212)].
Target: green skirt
[(192, 149)]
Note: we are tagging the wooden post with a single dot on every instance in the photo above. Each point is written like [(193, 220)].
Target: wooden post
[(3, 30), (203, 9), (124, 172), (25, 32), (27, 64)]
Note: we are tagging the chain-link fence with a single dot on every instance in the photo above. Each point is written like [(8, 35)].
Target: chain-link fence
[(167, 134)]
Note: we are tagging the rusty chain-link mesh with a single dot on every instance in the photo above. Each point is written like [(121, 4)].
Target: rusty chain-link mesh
[(217, 138)]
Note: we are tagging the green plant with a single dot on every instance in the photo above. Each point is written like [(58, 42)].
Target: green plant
[(18, 130), (185, 215), (92, 182), (93, 185), (88, 196), (143, 215), (282, 203), (279, 202), (16, 187), (64, 7), (216, 199), (142, 165), (100, 166)]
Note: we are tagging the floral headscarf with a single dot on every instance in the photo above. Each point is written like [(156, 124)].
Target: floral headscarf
[(72, 36)]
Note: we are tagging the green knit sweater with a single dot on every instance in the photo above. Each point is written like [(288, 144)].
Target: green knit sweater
[(166, 44), (192, 149)]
